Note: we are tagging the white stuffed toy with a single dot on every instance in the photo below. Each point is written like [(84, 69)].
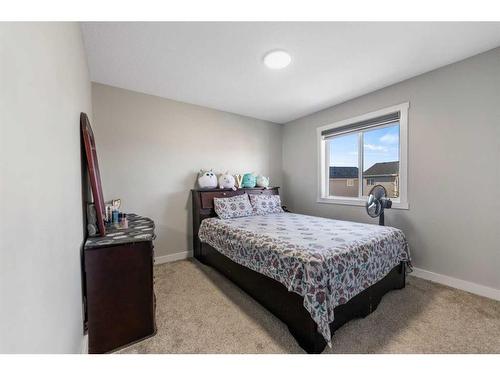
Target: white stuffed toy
[(263, 181), (226, 181), (207, 179)]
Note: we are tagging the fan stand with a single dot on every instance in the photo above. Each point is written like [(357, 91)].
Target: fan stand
[(381, 220)]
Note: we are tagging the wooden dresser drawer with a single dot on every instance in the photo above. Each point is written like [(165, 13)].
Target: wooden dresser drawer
[(120, 296)]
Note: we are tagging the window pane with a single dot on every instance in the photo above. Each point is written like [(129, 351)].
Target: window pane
[(381, 160), (343, 163)]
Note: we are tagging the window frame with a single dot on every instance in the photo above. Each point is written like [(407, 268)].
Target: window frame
[(323, 164)]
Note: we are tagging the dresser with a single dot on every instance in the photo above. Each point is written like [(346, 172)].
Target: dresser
[(118, 285), (203, 207)]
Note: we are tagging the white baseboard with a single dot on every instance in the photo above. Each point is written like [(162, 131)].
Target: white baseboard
[(468, 286), (85, 344), (173, 257)]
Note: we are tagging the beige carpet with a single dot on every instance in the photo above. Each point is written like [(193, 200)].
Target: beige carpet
[(199, 311)]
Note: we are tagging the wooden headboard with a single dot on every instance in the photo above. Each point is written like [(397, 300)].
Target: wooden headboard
[(203, 206)]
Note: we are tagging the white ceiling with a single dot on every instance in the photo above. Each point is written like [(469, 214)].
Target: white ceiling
[(219, 65)]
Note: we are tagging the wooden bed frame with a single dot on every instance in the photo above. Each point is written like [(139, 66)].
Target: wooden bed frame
[(274, 296)]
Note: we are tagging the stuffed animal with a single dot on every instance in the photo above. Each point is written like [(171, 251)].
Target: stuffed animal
[(249, 180), (226, 181), (263, 181), (239, 180), (207, 179)]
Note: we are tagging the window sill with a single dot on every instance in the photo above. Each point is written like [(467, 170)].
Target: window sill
[(360, 202)]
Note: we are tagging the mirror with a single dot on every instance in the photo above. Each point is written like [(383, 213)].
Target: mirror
[(93, 169)]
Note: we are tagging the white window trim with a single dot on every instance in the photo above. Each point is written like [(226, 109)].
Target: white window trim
[(323, 164)]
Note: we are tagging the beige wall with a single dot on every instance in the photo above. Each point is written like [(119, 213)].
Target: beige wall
[(454, 131), (150, 150), (44, 87)]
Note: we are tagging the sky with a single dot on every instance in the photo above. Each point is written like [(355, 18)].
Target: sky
[(379, 145)]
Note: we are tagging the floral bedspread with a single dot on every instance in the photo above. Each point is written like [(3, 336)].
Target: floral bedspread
[(326, 261)]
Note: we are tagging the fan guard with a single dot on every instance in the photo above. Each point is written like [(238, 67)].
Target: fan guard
[(377, 202)]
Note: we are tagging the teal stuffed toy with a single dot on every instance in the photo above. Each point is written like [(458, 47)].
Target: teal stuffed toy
[(249, 180)]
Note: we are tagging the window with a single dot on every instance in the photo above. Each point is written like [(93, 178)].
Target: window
[(381, 158), (359, 153)]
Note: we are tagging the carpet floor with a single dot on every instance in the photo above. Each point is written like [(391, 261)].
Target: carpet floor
[(200, 311)]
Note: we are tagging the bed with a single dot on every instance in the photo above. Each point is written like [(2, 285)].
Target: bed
[(315, 274)]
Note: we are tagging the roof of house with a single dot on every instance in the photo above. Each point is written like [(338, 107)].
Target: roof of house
[(382, 169), (343, 172)]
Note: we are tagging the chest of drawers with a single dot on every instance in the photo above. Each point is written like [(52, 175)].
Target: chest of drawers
[(118, 283)]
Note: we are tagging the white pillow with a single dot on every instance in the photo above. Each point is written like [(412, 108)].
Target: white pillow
[(264, 204), (237, 206)]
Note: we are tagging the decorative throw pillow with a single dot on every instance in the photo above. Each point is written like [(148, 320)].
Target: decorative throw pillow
[(237, 206), (264, 204)]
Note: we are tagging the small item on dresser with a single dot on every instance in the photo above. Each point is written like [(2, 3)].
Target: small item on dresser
[(115, 216), (91, 220), (106, 214), (124, 221), (92, 229), (239, 180), (227, 181), (91, 214), (116, 203), (207, 179), (249, 180), (111, 207), (109, 213), (263, 181)]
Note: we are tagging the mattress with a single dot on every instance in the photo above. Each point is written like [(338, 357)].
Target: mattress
[(326, 261)]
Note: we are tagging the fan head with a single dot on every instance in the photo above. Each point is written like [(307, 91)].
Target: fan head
[(377, 201)]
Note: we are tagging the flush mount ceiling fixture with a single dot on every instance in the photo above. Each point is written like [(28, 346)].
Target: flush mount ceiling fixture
[(277, 59)]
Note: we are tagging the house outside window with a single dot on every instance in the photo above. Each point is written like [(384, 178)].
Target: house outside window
[(359, 153), (385, 174), (344, 180)]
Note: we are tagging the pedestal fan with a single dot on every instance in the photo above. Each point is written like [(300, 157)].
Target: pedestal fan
[(377, 202)]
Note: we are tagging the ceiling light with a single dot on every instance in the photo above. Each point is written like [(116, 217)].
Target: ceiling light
[(277, 59)]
